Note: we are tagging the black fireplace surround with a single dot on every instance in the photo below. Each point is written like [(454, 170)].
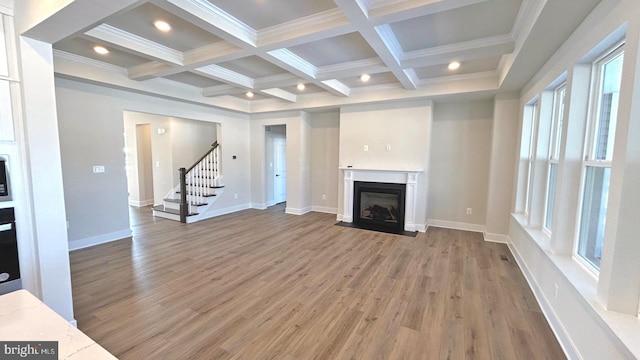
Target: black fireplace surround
[(379, 206)]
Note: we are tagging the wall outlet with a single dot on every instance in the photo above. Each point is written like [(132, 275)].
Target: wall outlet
[(235, 196), (365, 148), (388, 148), (469, 211), (324, 197), (98, 169)]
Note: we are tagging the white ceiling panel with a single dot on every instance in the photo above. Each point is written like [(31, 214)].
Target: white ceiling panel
[(183, 36), (331, 51), (261, 14), (483, 20)]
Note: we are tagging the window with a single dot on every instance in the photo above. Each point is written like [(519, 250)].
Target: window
[(554, 154), (597, 160), (531, 137)]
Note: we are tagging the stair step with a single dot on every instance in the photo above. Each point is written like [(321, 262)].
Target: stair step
[(170, 211), (177, 201), (203, 195)]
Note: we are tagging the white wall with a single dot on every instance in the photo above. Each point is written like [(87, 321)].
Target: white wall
[(577, 305), (91, 117), (460, 160), (325, 176), (298, 133), (405, 126)]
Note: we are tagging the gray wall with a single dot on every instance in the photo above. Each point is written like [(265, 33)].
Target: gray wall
[(325, 144), (460, 160), (91, 133)]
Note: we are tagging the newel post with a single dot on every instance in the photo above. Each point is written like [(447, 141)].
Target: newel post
[(184, 208)]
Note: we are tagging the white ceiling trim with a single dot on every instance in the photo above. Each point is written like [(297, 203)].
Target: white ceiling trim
[(314, 27), (206, 11), (390, 11), (150, 70), (381, 39), (144, 47), (337, 87), (218, 52), (222, 74), (288, 60), (353, 68), (467, 50), (220, 90), (279, 80), (87, 61), (280, 94)]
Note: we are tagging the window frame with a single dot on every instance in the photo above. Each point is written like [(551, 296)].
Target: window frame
[(590, 145), (554, 148)]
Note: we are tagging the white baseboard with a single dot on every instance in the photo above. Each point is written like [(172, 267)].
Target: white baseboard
[(99, 239), (554, 322), (258, 206), (295, 211), (224, 211), (421, 227), (497, 238), (339, 217), (456, 225), (323, 209), (140, 203)]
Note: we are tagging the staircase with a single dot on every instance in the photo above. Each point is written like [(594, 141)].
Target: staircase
[(199, 188)]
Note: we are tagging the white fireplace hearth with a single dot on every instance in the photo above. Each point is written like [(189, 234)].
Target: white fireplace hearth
[(396, 176)]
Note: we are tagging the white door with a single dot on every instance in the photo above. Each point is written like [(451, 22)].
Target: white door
[(280, 170)]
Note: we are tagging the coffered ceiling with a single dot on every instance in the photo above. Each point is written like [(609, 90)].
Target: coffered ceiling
[(219, 50)]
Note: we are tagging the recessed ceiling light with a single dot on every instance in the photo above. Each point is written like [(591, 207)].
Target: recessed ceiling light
[(249, 94), (365, 77), (300, 87), (162, 25), (454, 65), (101, 50)]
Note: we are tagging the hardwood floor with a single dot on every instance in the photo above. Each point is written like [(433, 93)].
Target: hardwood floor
[(267, 285)]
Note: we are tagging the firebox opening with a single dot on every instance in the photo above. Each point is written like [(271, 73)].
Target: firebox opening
[(379, 206)]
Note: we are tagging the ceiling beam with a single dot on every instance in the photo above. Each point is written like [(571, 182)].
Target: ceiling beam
[(130, 42), (280, 94), (225, 75), (380, 38)]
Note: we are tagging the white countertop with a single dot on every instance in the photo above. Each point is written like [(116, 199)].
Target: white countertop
[(23, 317)]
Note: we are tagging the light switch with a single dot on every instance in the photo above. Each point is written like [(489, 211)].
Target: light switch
[(366, 148), (388, 147), (98, 169)]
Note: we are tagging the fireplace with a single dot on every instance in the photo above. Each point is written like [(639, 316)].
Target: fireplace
[(379, 206)]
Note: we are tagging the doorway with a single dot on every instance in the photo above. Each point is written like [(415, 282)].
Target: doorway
[(280, 170), (276, 164)]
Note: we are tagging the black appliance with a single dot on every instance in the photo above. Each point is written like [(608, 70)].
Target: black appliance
[(9, 264)]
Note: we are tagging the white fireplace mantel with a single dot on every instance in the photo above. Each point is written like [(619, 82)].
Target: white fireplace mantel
[(396, 176)]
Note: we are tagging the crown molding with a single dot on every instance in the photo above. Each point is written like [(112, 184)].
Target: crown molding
[(318, 26), (220, 90), (467, 50), (288, 60), (58, 54), (279, 80), (150, 70), (373, 65), (217, 52), (280, 94), (220, 19), (225, 75), (144, 47), (336, 87)]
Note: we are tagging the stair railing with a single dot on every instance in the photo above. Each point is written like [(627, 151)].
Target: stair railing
[(197, 181)]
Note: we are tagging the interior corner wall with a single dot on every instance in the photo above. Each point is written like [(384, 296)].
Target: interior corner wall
[(325, 144), (504, 147), (405, 126), (459, 165)]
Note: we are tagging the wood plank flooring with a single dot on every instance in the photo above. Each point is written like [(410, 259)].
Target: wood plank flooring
[(267, 285)]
